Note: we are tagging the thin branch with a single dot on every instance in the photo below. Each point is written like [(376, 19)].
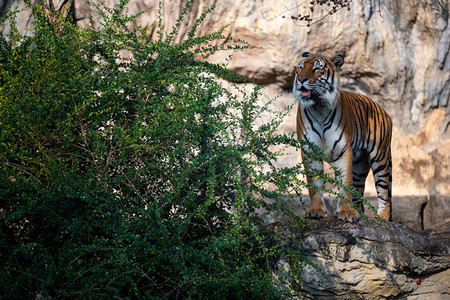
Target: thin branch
[(335, 6)]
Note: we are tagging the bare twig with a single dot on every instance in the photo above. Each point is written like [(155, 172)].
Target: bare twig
[(309, 19)]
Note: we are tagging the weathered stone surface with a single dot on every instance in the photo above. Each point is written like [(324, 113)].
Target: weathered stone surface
[(440, 232), (418, 212), (366, 262), (436, 211), (23, 20)]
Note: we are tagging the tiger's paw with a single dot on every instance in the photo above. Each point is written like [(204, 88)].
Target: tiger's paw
[(385, 213), (316, 213), (349, 215)]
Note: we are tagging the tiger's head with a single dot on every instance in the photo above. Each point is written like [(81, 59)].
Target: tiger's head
[(317, 80)]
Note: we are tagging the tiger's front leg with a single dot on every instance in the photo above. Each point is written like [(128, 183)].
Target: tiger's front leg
[(317, 207), (344, 165)]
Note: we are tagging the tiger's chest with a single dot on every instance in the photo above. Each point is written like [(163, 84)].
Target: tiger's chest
[(328, 129)]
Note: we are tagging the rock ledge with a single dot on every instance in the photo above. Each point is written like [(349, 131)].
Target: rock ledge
[(374, 261)]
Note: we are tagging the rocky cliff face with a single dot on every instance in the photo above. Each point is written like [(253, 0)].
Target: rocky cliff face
[(396, 52)]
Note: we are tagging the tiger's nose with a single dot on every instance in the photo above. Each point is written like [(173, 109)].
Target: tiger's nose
[(302, 79)]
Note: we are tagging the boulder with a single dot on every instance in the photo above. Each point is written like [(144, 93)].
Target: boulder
[(440, 233), (372, 261)]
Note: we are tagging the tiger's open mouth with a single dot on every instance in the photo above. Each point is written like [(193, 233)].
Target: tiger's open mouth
[(305, 93)]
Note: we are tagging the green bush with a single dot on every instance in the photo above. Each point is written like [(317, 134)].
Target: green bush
[(135, 177)]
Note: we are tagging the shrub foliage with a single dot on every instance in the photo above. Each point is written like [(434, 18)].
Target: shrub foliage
[(139, 176)]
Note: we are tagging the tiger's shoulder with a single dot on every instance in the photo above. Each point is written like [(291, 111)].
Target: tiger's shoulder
[(352, 100)]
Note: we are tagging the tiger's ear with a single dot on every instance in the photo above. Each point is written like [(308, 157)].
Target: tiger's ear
[(338, 61), (306, 54)]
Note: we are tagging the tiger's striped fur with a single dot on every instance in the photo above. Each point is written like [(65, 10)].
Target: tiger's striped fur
[(355, 130)]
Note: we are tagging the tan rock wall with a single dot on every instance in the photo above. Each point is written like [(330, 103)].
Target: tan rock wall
[(396, 52)]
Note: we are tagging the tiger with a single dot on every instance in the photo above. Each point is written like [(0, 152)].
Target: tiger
[(354, 131)]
